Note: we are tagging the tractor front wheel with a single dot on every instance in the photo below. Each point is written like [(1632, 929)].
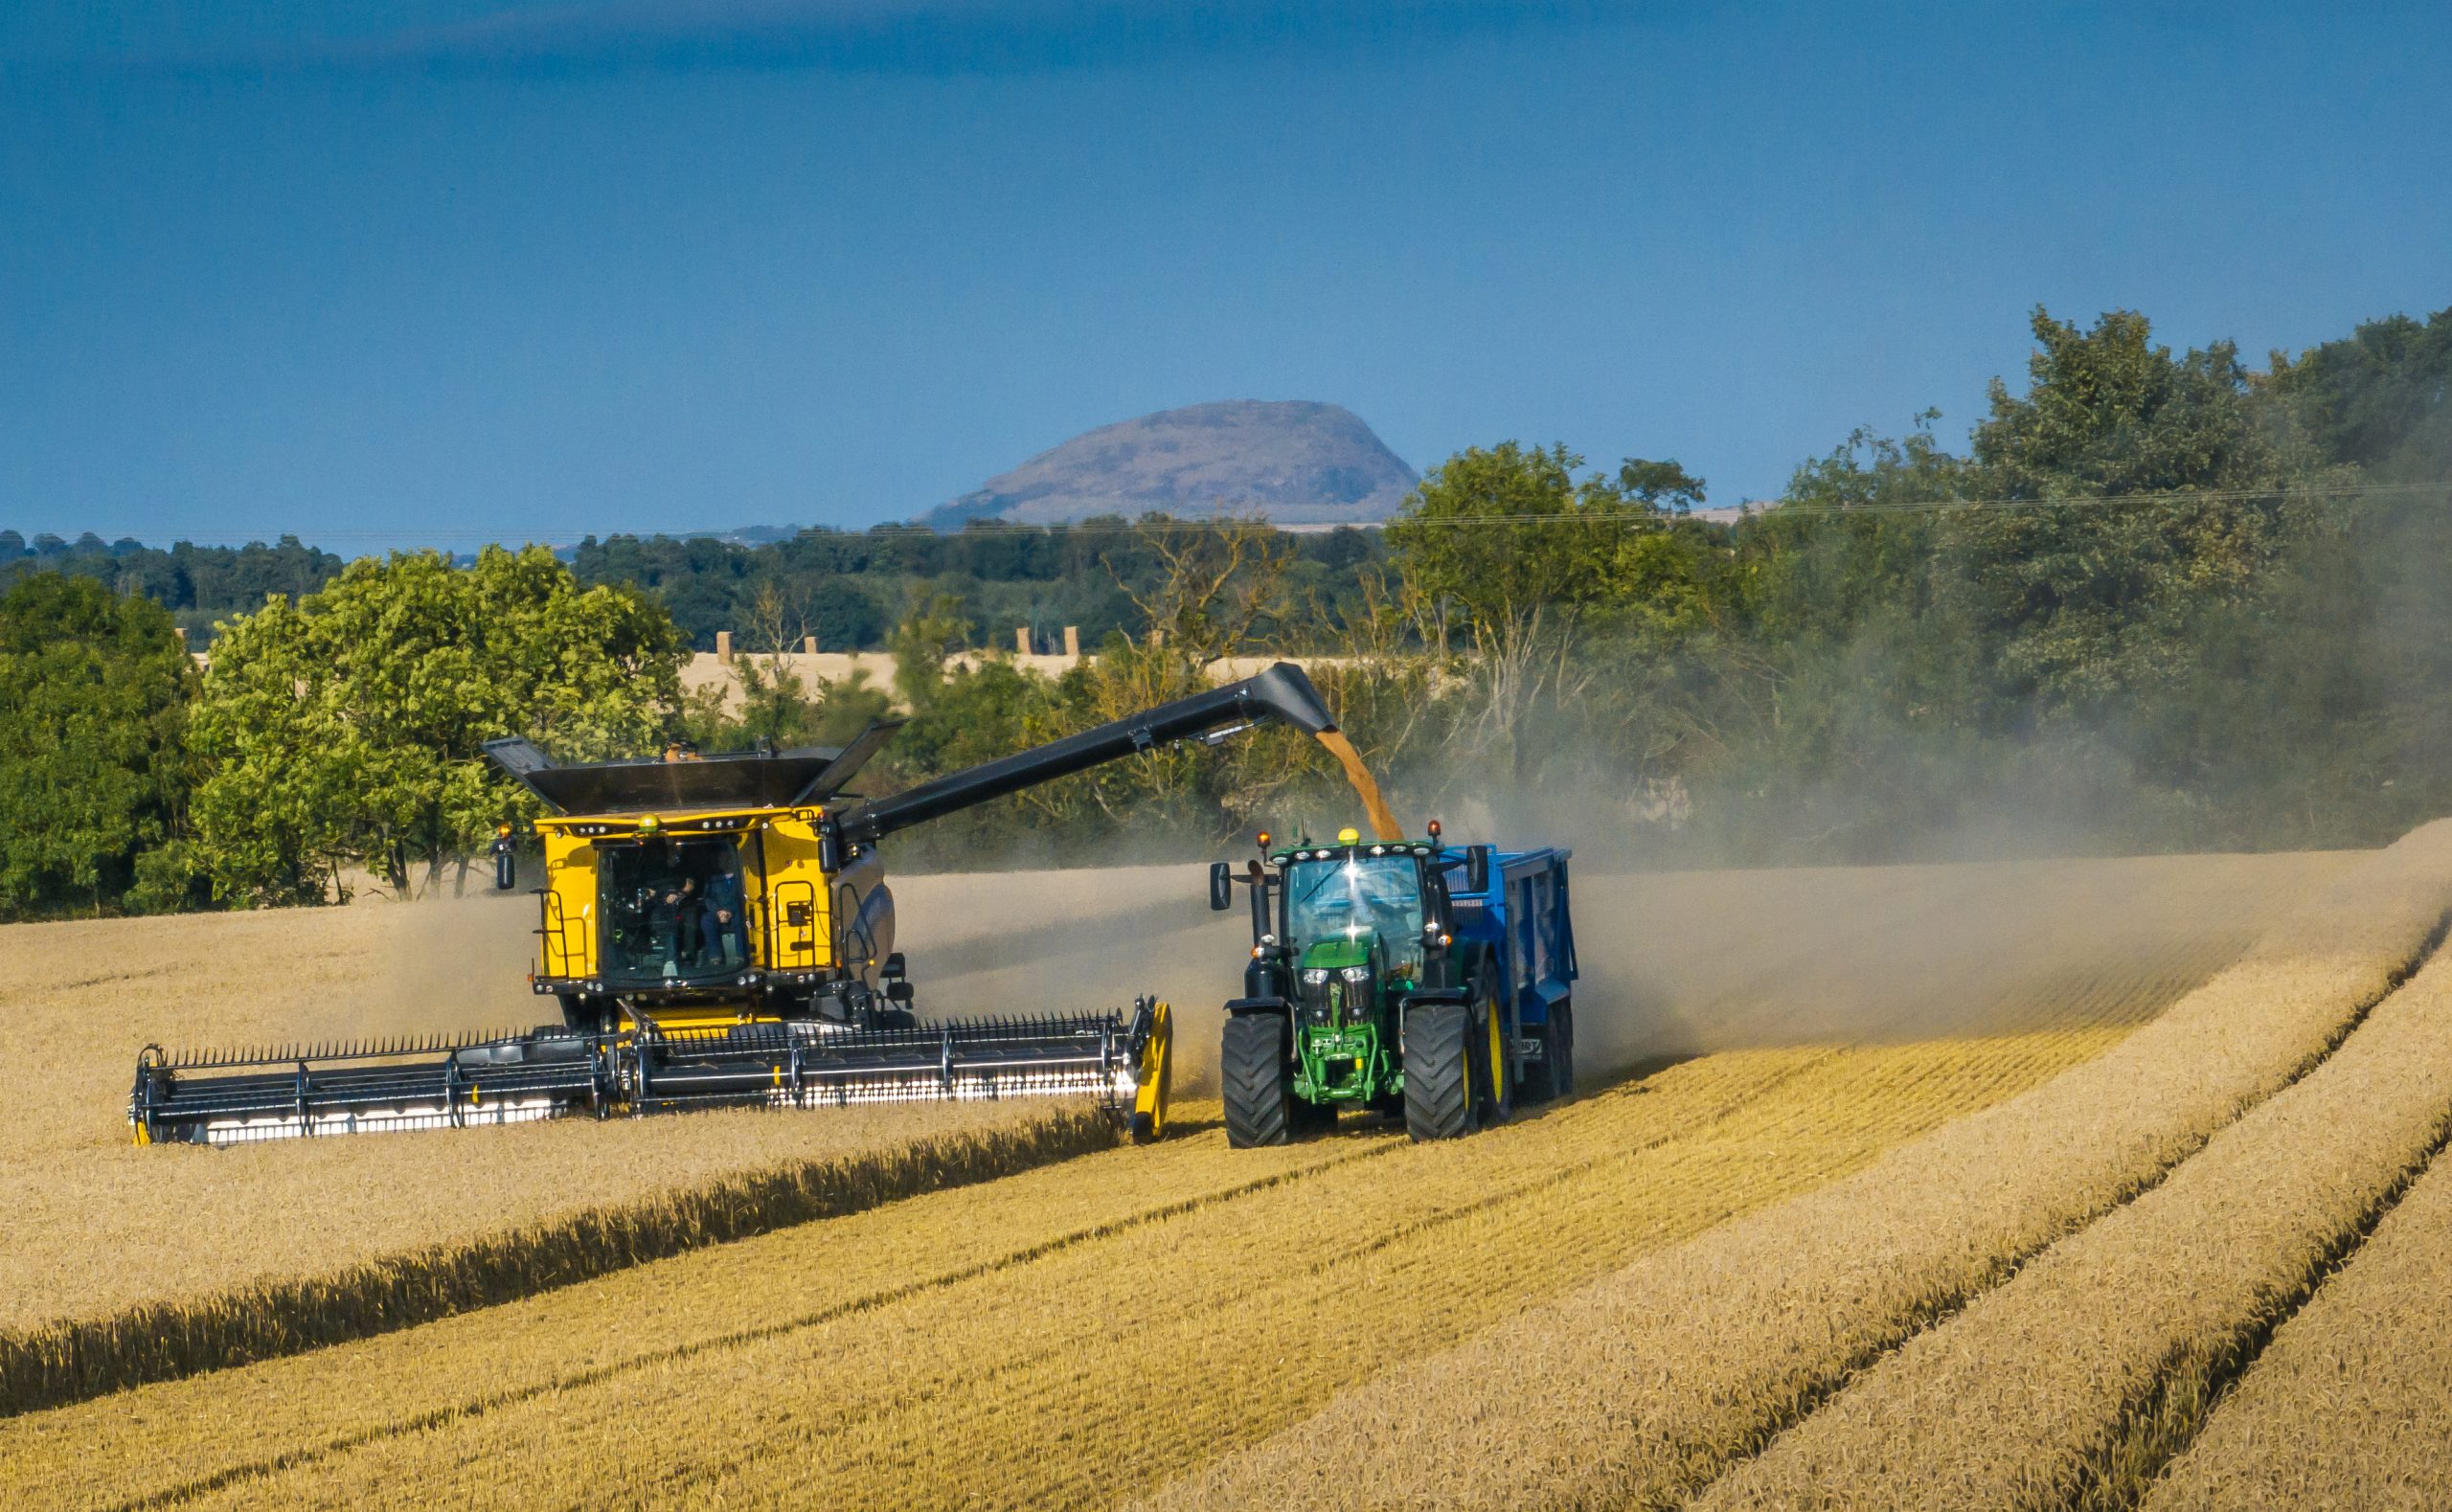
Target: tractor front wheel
[(1257, 1081), (1439, 1070)]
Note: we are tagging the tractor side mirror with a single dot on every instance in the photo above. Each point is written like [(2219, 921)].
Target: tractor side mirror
[(1221, 887), (1477, 869)]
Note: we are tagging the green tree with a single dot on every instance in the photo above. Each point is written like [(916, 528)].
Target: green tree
[(346, 728), (93, 692), (1522, 558), (2380, 397)]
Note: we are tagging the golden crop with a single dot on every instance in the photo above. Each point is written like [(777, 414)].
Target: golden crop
[(1071, 1296), (2350, 1405), (1644, 1385), (119, 1264), (1094, 1328), (2072, 1383)]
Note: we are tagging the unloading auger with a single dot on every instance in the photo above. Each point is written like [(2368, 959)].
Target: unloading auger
[(719, 932)]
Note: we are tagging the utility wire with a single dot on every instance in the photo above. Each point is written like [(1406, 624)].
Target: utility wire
[(1764, 508)]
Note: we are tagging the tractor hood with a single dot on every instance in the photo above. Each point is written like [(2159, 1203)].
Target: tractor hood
[(1338, 952)]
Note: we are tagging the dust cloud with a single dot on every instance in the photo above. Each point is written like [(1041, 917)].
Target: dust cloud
[(1675, 963), (445, 965)]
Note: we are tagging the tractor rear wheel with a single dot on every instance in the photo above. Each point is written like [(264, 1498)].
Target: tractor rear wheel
[(1257, 1083), (1439, 1070), (1494, 1053)]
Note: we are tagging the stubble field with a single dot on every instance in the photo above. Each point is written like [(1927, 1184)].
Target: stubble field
[(1848, 1104)]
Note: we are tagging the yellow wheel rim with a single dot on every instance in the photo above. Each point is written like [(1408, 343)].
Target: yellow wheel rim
[(1157, 1077), (1498, 1058)]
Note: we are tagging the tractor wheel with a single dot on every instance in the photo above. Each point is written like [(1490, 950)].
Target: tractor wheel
[(1493, 1054), (1252, 1065), (1552, 1079), (1439, 1070)]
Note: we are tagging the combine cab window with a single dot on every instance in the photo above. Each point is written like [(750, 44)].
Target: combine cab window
[(1356, 897), (672, 911)]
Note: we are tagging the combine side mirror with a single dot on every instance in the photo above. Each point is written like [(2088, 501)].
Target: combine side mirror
[(505, 865), (830, 850), (1221, 887), (1477, 869)]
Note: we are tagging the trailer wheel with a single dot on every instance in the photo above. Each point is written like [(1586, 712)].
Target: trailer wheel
[(1252, 1065), (1552, 1079), (1439, 1070)]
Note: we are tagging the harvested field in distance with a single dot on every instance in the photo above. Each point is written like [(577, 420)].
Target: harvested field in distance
[(1647, 1384), (2076, 1380), (2350, 1405)]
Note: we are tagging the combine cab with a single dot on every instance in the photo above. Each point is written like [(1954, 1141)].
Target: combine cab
[(1405, 978), (720, 932)]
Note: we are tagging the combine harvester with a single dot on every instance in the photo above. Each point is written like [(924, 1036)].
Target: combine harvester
[(1404, 977), (796, 999)]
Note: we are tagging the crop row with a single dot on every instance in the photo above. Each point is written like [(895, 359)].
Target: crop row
[(2069, 1385), (1640, 1389), (935, 1348), (2350, 1405), (850, 1161)]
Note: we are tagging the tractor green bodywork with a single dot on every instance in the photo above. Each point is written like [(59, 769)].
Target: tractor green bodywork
[(1355, 923)]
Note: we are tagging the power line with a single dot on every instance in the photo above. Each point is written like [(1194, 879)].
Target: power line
[(430, 535)]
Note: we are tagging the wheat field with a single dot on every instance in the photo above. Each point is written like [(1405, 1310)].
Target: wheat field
[(1653, 1380), (219, 1256), (2069, 1384), (1166, 1305), (2350, 1406)]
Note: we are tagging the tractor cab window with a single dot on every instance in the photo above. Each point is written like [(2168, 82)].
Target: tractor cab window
[(1356, 896), (673, 911)]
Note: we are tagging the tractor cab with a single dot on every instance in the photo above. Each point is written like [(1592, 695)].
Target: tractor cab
[(1354, 916)]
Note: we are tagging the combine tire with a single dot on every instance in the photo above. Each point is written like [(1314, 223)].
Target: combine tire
[(1257, 1080), (1439, 1070)]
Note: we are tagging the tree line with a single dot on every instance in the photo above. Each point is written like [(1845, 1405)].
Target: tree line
[(2158, 599)]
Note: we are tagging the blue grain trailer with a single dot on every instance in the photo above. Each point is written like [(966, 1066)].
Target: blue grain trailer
[(1408, 977)]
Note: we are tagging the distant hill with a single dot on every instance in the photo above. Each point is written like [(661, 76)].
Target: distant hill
[(1296, 462)]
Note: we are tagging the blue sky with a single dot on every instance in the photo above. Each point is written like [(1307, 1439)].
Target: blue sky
[(396, 272)]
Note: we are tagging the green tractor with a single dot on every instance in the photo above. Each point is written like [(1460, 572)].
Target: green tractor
[(1404, 978)]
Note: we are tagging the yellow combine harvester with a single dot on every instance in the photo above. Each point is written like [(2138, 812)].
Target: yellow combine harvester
[(716, 932)]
